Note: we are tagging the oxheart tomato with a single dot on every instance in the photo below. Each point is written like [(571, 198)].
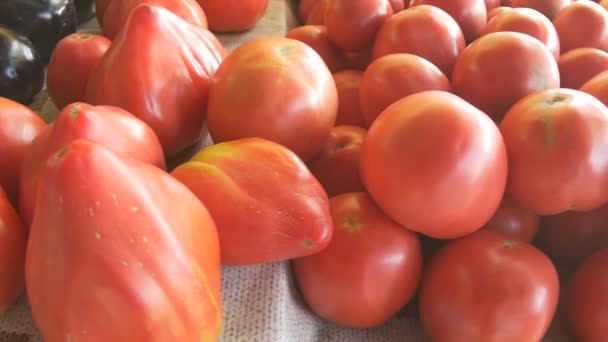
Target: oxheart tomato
[(19, 125), (243, 184), (485, 287), (13, 241), (159, 68), (587, 299), (412, 163), (274, 88), (395, 76), (348, 83), (112, 127), (493, 83), (550, 8), (514, 221), (471, 15), (337, 165), (316, 37), (578, 66), (352, 25), (357, 60), (598, 87), (582, 24), (71, 66), (126, 238), (233, 15), (426, 31), (117, 13), (369, 271)]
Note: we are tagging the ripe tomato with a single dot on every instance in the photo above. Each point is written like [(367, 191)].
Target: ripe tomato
[(557, 142), (358, 60), (337, 165), (316, 37), (71, 66), (598, 87), (412, 164), (487, 288), (587, 299), (578, 66), (392, 77), (13, 241), (274, 88), (550, 8), (582, 24), (305, 7), (471, 15), (100, 9), (352, 25), (514, 221), (369, 271), (425, 31), (493, 83), (317, 13), (494, 12), (492, 4), (349, 110), (233, 15), (398, 5), (528, 21)]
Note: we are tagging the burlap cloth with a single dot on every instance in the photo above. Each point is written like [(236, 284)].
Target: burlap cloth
[(261, 303)]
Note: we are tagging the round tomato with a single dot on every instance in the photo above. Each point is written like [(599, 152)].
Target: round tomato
[(352, 25), (587, 299), (317, 13), (71, 65), (550, 8), (13, 241), (492, 4), (514, 221), (337, 165), (349, 111), (316, 37), (233, 15), (598, 87), (493, 83), (277, 89), (412, 163), (528, 21), (369, 271), (441, 43), (582, 24), (305, 7), (497, 10), (358, 60), (392, 77), (397, 5), (557, 142), (471, 15), (578, 66), (485, 287)]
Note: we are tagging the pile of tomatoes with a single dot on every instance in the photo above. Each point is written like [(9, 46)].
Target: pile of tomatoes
[(451, 153)]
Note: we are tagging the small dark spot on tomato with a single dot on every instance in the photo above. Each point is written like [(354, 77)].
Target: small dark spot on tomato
[(352, 224), (83, 36), (510, 244), (75, 112), (286, 50), (62, 152), (307, 243), (339, 147), (556, 99)]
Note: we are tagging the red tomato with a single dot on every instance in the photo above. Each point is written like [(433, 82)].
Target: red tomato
[(412, 164), (557, 142), (13, 241), (487, 288), (337, 165), (369, 271), (317, 13), (425, 31), (316, 37), (396, 76), (128, 239), (587, 299), (528, 21), (100, 9), (582, 24), (550, 8), (305, 7), (571, 237), (291, 96), (233, 15), (492, 4), (349, 109), (471, 15), (497, 10), (514, 221), (19, 125), (397, 5), (493, 83), (598, 87), (358, 60), (578, 66), (352, 25), (71, 66)]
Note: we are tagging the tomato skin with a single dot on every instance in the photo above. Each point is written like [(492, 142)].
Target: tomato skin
[(337, 165), (233, 15), (352, 282), (492, 4), (527, 21), (557, 141), (316, 37), (514, 221), (242, 183), (549, 8), (392, 77), (497, 10), (348, 83), (291, 96), (598, 87), (100, 9), (13, 241), (425, 31), (492, 83), (71, 66), (357, 60), (411, 173), (582, 24), (471, 15), (587, 299), (134, 226), (493, 293), (578, 66), (20, 125), (305, 7), (317, 13), (398, 5)]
